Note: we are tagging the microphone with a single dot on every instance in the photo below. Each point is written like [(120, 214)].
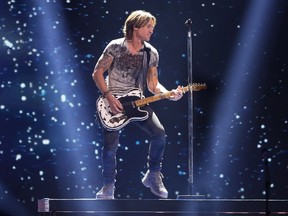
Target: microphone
[(188, 22)]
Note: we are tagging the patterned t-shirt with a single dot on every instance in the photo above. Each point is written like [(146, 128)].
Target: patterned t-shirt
[(128, 71)]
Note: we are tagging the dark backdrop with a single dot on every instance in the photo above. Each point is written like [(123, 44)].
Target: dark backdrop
[(50, 143)]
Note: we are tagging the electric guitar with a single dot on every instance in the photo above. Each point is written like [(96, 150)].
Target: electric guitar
[(132, 102)]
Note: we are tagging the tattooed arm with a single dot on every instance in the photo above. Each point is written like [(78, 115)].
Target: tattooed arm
[(153, 84), (103, 65), (155, 87)]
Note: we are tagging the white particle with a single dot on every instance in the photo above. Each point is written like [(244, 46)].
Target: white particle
[(18, 157), (63, 98), (8, 44), (54, 119), (45, 141), (52, 150)]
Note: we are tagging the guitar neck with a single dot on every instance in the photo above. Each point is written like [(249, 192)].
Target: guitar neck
[(192, 87), (144, 101)]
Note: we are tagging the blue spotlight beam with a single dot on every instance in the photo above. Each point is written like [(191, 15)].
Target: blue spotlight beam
[(64, 78), (252, 37)]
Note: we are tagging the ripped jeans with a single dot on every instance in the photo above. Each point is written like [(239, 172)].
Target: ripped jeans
[(157, 134)]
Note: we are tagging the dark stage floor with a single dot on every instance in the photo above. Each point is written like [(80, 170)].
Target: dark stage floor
[(55, 207)]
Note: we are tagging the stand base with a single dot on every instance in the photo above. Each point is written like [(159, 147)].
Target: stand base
[(190, 197)]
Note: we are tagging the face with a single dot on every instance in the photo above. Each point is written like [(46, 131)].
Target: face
[(144, 33)]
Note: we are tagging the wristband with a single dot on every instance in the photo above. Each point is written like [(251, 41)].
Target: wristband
[(105, 93)]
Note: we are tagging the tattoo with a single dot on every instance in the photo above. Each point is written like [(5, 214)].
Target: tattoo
[(104, 62), (155, 74)]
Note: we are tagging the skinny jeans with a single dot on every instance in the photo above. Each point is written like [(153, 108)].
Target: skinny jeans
[(157, 134)]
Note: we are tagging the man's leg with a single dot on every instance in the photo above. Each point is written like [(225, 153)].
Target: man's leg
[(153, 177), (109, 164)]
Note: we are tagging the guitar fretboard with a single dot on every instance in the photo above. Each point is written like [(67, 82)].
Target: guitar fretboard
[(144, 101)]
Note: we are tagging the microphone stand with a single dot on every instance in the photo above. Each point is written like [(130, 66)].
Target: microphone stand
[(188, 23)]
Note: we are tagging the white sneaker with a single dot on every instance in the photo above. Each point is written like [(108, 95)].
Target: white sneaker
[(153, 180), (106, 192)]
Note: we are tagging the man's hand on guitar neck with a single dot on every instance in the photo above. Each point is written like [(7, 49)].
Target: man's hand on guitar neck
[(115, 104), (177, 94)]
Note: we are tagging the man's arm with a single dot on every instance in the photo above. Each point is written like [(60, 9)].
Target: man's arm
[(155, 87), (153, 84), (101, 67)]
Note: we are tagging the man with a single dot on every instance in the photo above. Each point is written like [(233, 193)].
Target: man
[(132, 63)]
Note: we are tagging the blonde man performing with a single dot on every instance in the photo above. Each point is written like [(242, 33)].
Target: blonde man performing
[(131, 62)]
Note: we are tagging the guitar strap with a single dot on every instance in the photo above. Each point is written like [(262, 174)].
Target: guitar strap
[(145, 65), (147, 50)]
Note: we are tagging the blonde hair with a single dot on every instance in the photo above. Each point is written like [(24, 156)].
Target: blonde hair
[(136, 19)]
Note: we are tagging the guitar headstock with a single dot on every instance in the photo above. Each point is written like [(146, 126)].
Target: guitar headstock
[(194, 87), (197, 86)]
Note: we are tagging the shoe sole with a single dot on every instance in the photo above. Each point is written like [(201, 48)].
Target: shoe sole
[(104, 197)]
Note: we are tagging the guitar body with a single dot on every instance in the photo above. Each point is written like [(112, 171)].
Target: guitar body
[(131, 112)]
